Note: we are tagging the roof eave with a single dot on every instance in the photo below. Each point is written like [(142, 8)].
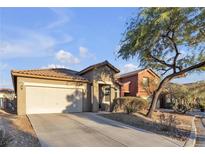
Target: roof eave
[(92, 67), (137, 72), (44, 77), (129, 74), (154, 73)]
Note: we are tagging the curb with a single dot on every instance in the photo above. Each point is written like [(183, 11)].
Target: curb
[(41, 144), (203, 123), (192, 138)]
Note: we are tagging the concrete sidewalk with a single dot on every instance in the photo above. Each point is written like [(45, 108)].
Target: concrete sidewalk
[(89, 129), (200, 125)]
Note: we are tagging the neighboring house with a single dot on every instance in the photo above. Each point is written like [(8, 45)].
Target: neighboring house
[(138, 83), (62, 90), (6, 95)]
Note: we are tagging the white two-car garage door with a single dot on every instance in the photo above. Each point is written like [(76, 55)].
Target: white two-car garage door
[(43, 99)]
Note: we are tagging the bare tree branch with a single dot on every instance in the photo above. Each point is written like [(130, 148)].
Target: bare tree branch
[(203, 33), (165, 71), (201, 64), (175, 48), (161, 61)]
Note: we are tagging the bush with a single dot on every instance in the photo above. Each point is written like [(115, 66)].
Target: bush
[(202, 105), (167, 123), (182, 107), (5, 138), (11, 106), (129, 104), (182, 98)]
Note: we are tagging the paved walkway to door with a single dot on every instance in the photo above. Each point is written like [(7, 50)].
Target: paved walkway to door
[(89, 129)]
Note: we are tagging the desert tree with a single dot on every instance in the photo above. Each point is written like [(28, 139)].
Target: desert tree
[(168, 40), (181, 97)]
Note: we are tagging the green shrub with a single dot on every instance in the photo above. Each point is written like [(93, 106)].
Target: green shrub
[(202, 105), (129, 104), (183, 106)]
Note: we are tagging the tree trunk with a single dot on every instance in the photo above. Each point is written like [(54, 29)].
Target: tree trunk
[(165, 81), (153, 103), (156, 94)]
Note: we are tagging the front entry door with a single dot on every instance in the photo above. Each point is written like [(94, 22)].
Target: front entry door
[(104, 97)]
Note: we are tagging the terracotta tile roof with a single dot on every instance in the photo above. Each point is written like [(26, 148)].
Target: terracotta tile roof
[(129, 73), (135, 72), (54, 73), (98, 65)]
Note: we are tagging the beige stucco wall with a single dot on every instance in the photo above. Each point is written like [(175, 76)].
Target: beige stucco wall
[(101, 75), (2, 95), (21, 91)]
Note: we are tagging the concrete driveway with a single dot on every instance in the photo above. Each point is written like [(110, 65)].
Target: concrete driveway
[(89, 129)]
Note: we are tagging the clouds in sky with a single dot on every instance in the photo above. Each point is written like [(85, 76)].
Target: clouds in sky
[(84, 53), (42, 43), (129, 67), (62, 17), (53, 66), (30, 43), (66, 57)]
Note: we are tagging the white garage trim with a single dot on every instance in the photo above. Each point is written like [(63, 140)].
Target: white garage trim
[(51, 85)]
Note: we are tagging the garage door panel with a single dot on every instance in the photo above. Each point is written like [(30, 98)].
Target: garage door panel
[(53, 100)]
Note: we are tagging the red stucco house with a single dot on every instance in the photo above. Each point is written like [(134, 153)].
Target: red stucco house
[(138, 83)]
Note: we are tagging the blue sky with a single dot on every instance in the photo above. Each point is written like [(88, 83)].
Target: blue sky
[(63, 37)]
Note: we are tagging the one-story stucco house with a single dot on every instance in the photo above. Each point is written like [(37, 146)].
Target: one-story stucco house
[(62, 90)]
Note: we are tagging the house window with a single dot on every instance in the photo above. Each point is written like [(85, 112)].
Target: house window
[(126, 94), (145, 81), (107, 94)]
